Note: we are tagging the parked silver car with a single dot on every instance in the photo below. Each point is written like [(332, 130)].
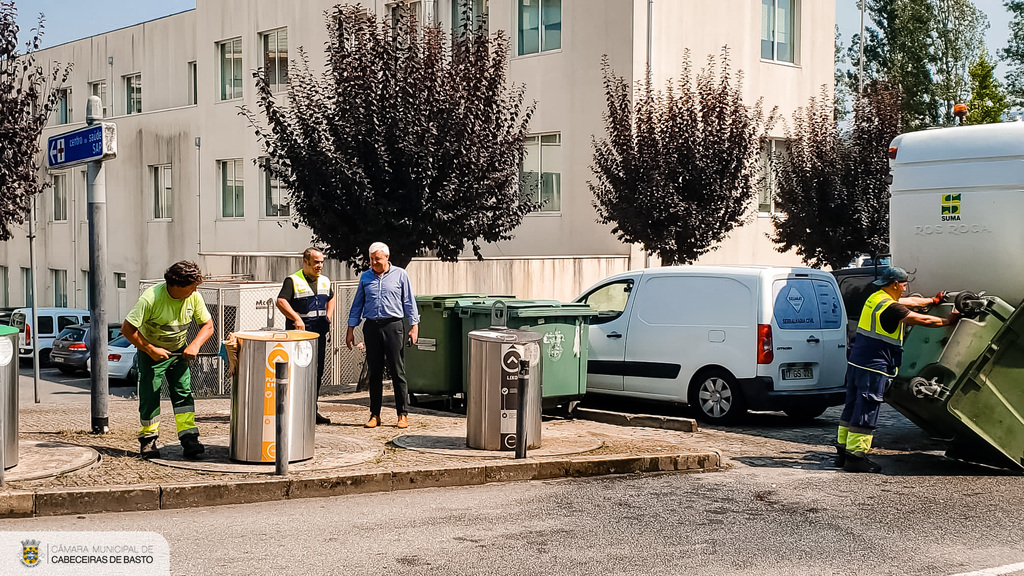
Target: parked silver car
[(121, 360)]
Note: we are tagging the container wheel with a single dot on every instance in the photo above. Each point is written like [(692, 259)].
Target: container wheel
[(715, 397)]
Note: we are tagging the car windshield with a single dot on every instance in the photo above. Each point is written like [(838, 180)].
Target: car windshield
[(121, 342), (72, 335)]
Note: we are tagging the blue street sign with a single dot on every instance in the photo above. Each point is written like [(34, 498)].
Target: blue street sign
[(96, 142)]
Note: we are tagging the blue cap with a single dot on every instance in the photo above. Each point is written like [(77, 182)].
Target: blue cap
[(890, 275)]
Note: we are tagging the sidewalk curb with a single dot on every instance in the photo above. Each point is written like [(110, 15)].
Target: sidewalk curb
[(646, 420), (50, 502)]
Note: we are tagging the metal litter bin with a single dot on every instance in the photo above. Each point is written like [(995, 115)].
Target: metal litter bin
[(565, 333), (253, 395), (492, 399), (9, 394)]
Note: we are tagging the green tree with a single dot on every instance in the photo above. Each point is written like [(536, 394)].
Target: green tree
[(831, 193), (1013, 54), (959, 39), (988, 99), (409, 137), (899, 51), (677, 170), (25, 104)]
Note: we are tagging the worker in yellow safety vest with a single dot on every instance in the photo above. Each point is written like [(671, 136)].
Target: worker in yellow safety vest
[(875, 358), (307, 301)]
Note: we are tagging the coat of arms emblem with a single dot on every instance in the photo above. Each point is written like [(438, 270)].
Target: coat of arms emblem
[(30, 552)]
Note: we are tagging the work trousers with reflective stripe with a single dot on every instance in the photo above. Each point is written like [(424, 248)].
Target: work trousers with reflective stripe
[(179, 385), (864, 396)]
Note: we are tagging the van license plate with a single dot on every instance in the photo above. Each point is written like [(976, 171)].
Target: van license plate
[(797, 374)]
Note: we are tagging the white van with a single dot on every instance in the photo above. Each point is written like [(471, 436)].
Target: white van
[(723, 339), (51, 322)]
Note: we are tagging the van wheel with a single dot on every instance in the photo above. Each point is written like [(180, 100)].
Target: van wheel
[(715, 397), (805, 413)]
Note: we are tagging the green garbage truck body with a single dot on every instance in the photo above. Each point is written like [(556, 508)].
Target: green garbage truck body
[(957, 196)]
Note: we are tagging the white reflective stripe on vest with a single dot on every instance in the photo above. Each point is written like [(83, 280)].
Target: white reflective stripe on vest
[(314, 314)]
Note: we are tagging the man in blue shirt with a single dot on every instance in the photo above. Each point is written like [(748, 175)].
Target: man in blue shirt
[(384, 298)]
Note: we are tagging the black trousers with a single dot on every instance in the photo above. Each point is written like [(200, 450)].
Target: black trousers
[(385, 346), (322, 327)]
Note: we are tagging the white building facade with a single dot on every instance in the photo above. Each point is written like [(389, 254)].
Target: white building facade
[(185, 185)]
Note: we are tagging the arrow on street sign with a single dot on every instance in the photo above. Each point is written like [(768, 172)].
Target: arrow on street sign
[(96, 142)]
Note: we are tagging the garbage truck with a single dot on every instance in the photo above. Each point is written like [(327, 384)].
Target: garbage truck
[(956, 208)]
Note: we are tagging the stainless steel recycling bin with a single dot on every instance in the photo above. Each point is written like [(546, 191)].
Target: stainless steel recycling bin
[(9, 394), (492, 396), (254, 397)]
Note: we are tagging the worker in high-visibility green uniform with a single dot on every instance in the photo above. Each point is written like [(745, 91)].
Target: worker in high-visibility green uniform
[(158, 327), (875, 358)]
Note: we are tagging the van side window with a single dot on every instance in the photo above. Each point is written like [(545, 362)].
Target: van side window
[(806, 304), (609, 300), (46, 325), (65, 321), (695, 301)]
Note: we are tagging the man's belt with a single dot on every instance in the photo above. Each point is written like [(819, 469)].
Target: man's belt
[(314, 314)]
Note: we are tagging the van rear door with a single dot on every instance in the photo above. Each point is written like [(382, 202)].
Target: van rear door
[(808, 334)]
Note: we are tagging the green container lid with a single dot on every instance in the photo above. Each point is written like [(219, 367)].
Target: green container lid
[(526, 308), (6, 330)]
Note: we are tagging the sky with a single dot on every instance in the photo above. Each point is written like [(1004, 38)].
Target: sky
[(68, 20)]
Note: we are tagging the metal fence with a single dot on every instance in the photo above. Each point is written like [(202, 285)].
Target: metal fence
[(237, 306)]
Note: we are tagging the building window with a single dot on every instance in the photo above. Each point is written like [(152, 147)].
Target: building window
[(778, 30), (5, 287), (26, 285), (275, 196), (230, 69), (162, 192), (60, 287), (232, 192), (60, 198), (540, 26), (770, 156), (471, 13), (275, 58), (100, 89), (83, 302), (412, 11), (133, 94), (63, 106), (193, 80), (542, 170), (120, 280)]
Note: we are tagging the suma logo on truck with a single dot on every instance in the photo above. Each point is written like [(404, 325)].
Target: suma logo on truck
[(950, 207)]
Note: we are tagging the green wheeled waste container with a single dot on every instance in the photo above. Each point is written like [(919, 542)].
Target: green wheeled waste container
[(9, 394), (935, 358), (563, 345), (966, 385), (433, 366)]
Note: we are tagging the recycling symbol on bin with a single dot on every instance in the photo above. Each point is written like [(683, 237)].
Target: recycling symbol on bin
[(510, 361)]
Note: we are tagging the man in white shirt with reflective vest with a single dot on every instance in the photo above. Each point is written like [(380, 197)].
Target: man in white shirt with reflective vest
[(307, 302), (875, 358)]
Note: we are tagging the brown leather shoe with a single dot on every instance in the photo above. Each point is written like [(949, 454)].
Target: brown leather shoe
[(373, 422), (403, 421)]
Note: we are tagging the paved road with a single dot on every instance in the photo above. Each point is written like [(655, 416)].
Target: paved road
[(778, 509)]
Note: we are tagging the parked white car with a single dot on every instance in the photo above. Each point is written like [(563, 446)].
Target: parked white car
[(723, 339), (51, 322)]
